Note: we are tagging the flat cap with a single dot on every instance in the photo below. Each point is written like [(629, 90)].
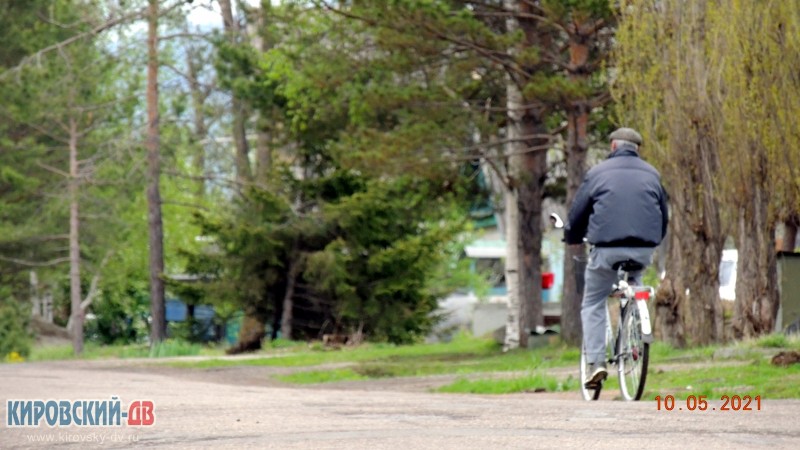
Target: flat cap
[(626, 134)]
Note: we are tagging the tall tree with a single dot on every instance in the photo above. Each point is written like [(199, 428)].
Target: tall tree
[(478, 36), (665, 88), (353, 224), (755, 52), (529, 164), (66, 105), (239, 108), (154, 220), (583, 32)]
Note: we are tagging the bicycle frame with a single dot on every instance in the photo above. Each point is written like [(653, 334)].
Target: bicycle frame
[(633, 337), (638, 296)]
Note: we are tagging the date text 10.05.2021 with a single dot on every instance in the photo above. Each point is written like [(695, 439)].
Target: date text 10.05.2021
[(700, 403)]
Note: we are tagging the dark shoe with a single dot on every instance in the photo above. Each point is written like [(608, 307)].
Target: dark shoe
[(597, 374)]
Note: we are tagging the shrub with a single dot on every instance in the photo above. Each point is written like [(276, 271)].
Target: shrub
[(15, 335)]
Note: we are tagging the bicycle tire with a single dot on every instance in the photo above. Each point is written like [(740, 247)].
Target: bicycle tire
[(588, 394), (634, 355), (594, 394)]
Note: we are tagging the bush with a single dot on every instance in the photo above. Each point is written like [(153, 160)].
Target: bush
[(120, 318), (773, 341), (15, 335)]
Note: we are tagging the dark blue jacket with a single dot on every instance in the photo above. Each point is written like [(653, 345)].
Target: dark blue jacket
[(621, 203)]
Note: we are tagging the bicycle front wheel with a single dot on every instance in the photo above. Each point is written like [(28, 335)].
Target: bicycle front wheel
[(633, 355)]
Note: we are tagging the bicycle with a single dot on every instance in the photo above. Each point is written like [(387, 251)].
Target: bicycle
[(631, 347), (630, 350)]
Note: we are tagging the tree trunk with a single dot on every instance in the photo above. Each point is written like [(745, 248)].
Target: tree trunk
[(757, 299), (74, 244), (512, 338), (789, 241), (288, 297), (251, 334), (692, 168), (696, 241), (36, 300), (200, 130), (158, 327), (514, 105), (265, 123), (263, 149), (238, 107), (530, 194), (669, 326), (576, 150), (529, 200)]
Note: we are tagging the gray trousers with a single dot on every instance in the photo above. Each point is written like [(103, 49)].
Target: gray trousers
[(599, 278)]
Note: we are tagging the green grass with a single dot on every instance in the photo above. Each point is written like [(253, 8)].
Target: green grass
[(778, 341), (465, 358), (756, 378), (321, 376), (93, 351), (742, 368), (534, 382), (660, 351), (463, 355), (463, 347), (174, 348), (744, 371)]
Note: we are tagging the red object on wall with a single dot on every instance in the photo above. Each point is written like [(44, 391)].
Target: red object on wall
[(548, 278)]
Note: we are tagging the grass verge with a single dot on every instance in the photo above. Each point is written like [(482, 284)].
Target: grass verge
[(757, 377), (534, 382), (167, 348), (461, 356), (742, 368)]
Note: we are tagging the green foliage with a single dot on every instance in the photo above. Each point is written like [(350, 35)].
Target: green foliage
[(651, 277), (243, 262), (15, 337), (26, 188), (120, 317), (374, 127), (378, 268), (365, 206), (82, 85)]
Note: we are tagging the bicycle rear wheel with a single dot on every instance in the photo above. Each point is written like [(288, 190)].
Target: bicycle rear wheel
[(594, 394), (633, 354)]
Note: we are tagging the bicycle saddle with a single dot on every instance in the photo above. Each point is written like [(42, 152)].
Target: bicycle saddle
[(628, 265)]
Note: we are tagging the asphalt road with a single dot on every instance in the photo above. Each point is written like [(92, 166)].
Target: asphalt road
[(197, 413)]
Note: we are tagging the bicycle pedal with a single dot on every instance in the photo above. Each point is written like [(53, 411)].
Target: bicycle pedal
[(593, 385)]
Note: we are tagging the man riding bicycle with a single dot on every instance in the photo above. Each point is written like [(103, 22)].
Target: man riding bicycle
[(621, 210)]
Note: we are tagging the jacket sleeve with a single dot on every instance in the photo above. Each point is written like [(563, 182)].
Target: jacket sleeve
[(664, 211), (579, 212)]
